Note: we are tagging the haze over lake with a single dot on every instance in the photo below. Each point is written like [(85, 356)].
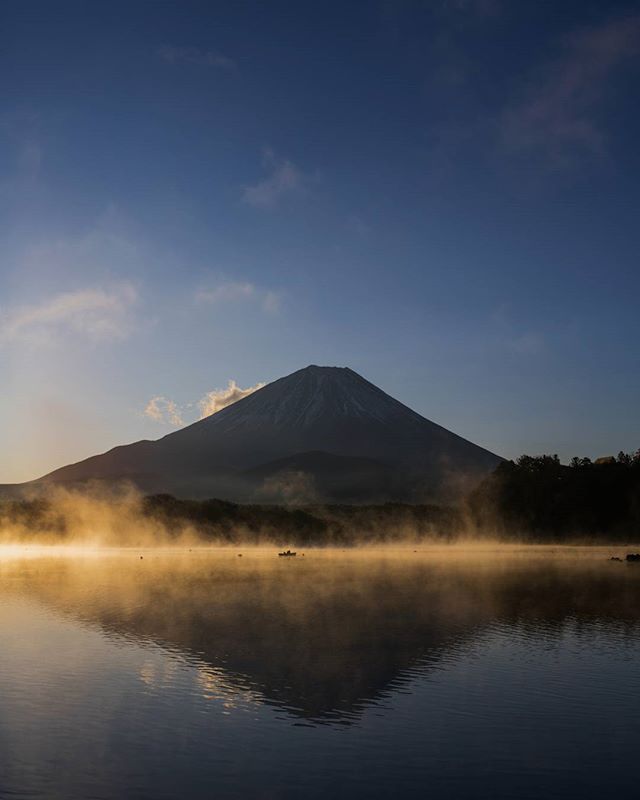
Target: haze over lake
[(421, 671)]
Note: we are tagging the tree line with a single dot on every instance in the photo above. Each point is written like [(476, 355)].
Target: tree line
[(539, 497), (535, 498)]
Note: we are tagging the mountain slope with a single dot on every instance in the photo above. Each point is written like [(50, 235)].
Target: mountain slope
[(331, 410), (308, 477)]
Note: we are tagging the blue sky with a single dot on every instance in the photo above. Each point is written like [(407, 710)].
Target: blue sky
[(441, 195)]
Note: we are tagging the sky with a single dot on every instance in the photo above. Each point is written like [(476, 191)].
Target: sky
[(200, 197)]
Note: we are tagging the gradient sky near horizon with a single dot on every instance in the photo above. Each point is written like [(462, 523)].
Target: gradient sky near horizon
[(442, 195)]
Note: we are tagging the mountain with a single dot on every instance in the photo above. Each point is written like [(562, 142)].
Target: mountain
[(321, 433), (307, 477)]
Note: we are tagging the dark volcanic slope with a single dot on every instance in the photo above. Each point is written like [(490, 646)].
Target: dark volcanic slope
[(328, 409), (306, 477)]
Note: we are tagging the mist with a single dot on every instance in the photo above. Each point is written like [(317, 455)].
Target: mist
[(92, 517), (532, 500)]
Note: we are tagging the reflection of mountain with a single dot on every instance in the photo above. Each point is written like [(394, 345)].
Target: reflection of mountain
[(322, 636), (350, 440)]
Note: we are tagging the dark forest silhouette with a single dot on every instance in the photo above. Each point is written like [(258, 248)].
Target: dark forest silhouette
[(540, 498), (535, 498)]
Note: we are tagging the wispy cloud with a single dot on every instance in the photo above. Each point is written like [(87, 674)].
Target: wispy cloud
[(557, 116), (194, 55), (96, 313), (166, 412), (283, 179), (228, 291), (239, 291), (511, 337), (218, 399)]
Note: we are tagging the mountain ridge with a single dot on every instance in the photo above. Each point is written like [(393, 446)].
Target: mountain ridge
[(331, 410)]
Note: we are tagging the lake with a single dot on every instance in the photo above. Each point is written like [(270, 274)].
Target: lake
[(439, 672)]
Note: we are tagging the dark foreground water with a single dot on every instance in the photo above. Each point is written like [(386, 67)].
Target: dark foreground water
[(501, 673)]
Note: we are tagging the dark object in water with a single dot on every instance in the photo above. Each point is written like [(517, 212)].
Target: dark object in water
[(633, 556), (287, 553), (615, 558)]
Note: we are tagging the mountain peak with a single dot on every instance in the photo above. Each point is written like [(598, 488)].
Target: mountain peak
[(318, 409), (328, 370), (312, 395)]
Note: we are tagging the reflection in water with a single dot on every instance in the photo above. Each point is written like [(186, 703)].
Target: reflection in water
[(327, 638)]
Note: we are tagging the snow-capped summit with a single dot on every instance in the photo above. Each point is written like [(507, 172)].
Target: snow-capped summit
[(310, 395)]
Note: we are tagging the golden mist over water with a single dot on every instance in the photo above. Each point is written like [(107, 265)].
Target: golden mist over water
[(95, 517)]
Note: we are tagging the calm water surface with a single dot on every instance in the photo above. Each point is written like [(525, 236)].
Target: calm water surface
[(505, 673)]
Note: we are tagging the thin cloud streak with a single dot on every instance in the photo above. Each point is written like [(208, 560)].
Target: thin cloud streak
[(226, 292), (96, 313), (240, 291), (557, 117), (284, 179)]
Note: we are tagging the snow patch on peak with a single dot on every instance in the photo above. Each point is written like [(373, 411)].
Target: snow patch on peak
[(314, 395)]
